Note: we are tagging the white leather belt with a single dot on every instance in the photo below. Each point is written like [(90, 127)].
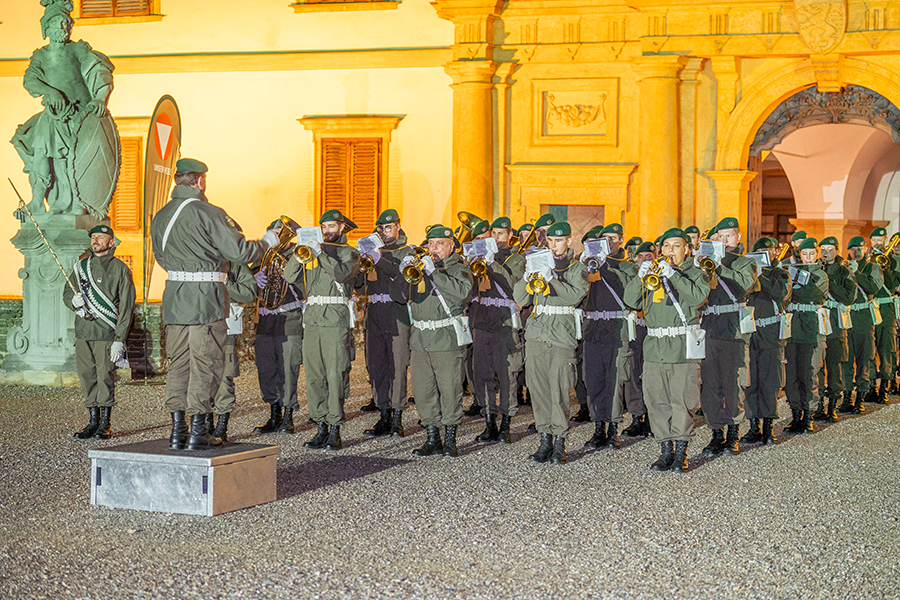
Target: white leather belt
[(832, 304), (313, 300), (768, 321), (860, 306), (642, 322), (380, 298), (721, 309), (660, 332), (543, 309), (880, 301), (432, 325), (605, 315), (802, 307), (198, 276), (498, 302), (281, 309)]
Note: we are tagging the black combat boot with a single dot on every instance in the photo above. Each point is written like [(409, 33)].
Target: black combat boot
[(287, 422), (334, 438), (637, 426), (768, 438), (872, 395), (544, 450), (397, 424), (210, 421), (731, 440), (221, 430), (490, 434), (503, 434), (199, 437), (847, 404), (450, 442), (383, 426), (831, 416), (716, 444), (558, 455), (583, 415), (612, 435), (881, 395), (179, 431), (665, 457), (806, 425), (646, 424), (859, 405), (432, 443), (103, 432), (473, 411), (318, 441), (91, 428), (754, 434), (796, 425), (679, 462), (821, 414), (598, 440), (370, 407), (273, 423)]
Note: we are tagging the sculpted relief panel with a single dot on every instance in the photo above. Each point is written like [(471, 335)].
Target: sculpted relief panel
[(821, 23), (576, 111)]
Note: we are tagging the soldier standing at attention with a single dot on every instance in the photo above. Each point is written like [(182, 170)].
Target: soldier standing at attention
[(634, 387), (387, 327), (885, 339), (103, 311), (437, 352), (724, 371), (671, 377), (192, 239), (327, 280), (551, 335)]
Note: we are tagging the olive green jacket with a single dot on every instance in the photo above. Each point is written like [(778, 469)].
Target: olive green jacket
[(739, 274), (805, 324), (568, 289), (690, 286), (114, 279), (841, 290), (201, 240), (453, 281), (332, 274), (386, 317)]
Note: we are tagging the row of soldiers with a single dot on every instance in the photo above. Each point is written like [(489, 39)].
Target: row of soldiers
[(641, 329)]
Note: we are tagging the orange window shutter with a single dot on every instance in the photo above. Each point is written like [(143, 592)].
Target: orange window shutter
[(126, 8), (365, 175), (127, 204), (335, 175), (97, 8)]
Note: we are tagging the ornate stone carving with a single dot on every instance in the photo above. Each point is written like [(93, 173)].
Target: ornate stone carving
[(821, 23), (855, 105), (576, 115)]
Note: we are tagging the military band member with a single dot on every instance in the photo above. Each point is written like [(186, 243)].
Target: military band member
[(327, 281), (437, 352), (523, 395), (192, 239), (103, 309), (387, 327), (671, 378), (885, 338), (551, 335), (631, 247), (841, 293), (808, 295), (796, 239), (540, 229), (481, 229), (766, 346), (724, 372), (607, 349), (693, 232), (861, 337), (634, 392)]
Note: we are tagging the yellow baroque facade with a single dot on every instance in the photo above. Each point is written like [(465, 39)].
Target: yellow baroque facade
[(644, 112)]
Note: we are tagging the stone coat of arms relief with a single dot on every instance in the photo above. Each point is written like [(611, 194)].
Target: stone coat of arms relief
[(821, 23)]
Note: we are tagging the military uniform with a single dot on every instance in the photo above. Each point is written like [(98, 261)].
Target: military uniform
[(436, 354), (885, 338), (841, 294), (861, 337), (192, 239), (106, 287)]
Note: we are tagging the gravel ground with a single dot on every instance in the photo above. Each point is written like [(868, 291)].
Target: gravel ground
[(813, 517)]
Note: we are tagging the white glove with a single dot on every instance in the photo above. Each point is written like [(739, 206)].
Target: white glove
[(116, 351), (407, 260), (489, 258), (428, 264), (82, 312), (853, 266), (270, 238), (315, 246), (261, 278), (78, 301), (666, 270), (645, 268)]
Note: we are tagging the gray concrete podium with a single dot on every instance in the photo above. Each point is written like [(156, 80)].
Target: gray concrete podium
[(149, 476)]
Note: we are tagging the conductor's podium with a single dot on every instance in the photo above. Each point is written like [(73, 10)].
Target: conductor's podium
[(149, 476)]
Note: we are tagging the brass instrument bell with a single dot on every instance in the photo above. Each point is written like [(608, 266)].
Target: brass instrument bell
[(366, 264), (272, 295), (413, 272), (652, 281), (537, 284), (883, 260), (305, 254)]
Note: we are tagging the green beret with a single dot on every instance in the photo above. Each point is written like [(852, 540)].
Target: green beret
[(856, 241), (675, 232), (829, 241), (480, 227), (438, 232), (692, 229), (101, 229), (335, 215), (592, 234), (190, 165), (658, 241), (878, 231), (798, 235), (501, 223), (612, 228), (635, 241), (559, 229), (727, 223), (808, 243), (387, 217), (525, 227), (765, 242), (545, 220), (645, 247)]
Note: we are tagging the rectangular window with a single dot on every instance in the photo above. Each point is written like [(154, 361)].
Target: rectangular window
[(351, 180), (127, 207), (115, 8)]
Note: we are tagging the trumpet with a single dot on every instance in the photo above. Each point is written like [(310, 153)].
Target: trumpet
[(272, 295), (592, 263), (883, 260), (413, 272), (782, 252), (537, 284), (478, 266), (366, 264), (304, 253), (652, 280), (530, 239), (706, 263)]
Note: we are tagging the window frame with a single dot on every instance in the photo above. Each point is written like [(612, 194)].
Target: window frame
[(155, 15), (306, 6)]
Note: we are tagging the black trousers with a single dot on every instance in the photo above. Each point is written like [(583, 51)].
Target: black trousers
[(724, 376), (766, 380)]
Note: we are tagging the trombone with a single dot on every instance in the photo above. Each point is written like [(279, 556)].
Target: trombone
[(652, 281)]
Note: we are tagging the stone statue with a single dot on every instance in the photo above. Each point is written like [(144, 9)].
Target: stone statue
[(71, 148)]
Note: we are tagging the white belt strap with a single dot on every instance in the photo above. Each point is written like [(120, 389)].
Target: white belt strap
[(721, 309), (380, 298), (802, 307), (498, 302), (880, 301), (605, 315), (281, 309), (319, 300), (659, 332), (198, 276), (432, 325), (768, 321), (173, 219), (544, 309), (859, 306)]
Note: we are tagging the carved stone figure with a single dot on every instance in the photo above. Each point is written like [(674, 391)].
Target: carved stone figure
[(71, 148)]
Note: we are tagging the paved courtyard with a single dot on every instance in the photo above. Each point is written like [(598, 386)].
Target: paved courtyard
[(813, 517)]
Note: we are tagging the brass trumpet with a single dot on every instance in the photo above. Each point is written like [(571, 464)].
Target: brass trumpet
[(305, 254), (883, 260), (706, 263), (413, 272), (782, 252), (537, 284), (592, 263), (652, 280), (275, 291), (366, 264), (478, 266)]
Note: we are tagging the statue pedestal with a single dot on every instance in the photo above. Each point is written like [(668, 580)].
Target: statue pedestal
[(42, 349)]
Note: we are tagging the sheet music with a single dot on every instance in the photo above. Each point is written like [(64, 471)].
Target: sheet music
[(309, 234), (369, 244), (715, 250), (761, 258), (596, 248)]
